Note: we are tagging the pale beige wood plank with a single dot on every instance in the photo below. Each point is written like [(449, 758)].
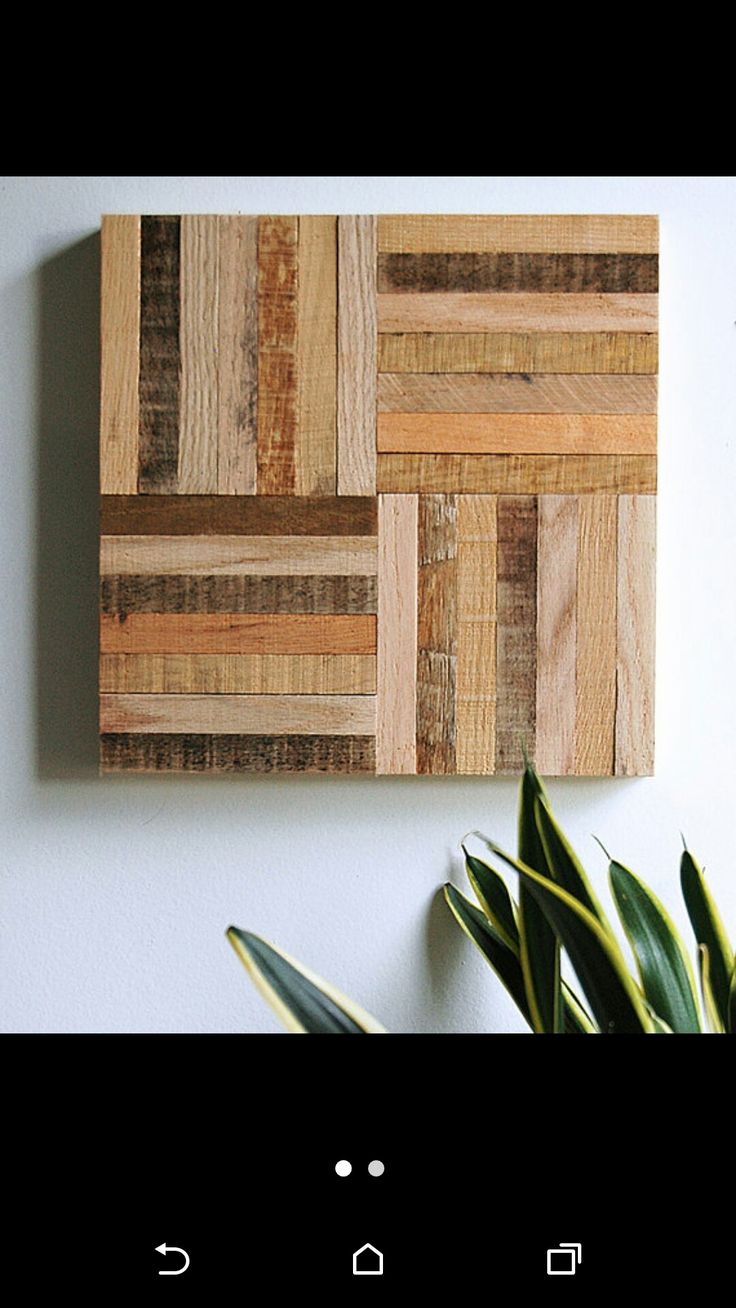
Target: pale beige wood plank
[(237, 366), (273, 715), (356, 357), (635, 627), (515, 312), (397, 634), (612, 353), (476, 634), (517, 474), (522, 233), (315, 446), (448, 392), (238, 674), (557, 557), (198, 341), (346, 556), (476, 728), (120, 339), (516, 433), (596, 635)]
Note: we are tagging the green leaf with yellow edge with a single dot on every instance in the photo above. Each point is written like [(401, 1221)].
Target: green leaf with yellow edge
[(564, 865), (715, 1021), (494, 898), (709, 931), (494, 949), (540, 949)]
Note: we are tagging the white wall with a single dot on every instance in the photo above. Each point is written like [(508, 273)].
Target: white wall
[(116, 892)]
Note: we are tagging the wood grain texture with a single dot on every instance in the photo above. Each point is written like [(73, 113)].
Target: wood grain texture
[(356, 356), (597, 273), (436, 634), (237, 363), (501, 312), (516, 660), (476, 634), (120, 341), (273, 715), (514, 393), (160, 361), (525, 233), (277, 347), (595, 708), (517, 474), (198, 344), (150, 593), (635, 626), (527, 352), (316, 437), (230, 515), (557, 561), (516, 433), (347, 556), (396, 718), (238, 633), (162, 752), (238, 674)]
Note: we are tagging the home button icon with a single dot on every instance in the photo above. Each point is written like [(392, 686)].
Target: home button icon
[(368, 1261)]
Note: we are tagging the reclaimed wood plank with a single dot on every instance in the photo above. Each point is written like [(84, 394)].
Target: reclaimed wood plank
[(517, 474), (346, 556), (527, 352), (520, 271), (152, 593), (238, 633), (525, 233), (501, 312), (237, 369), (273, 715), (516, 662), (517, 433), (436, 634), (595, 708), (198, 344), (207, 752), (476, 634), (557, 563), (315, 449), (238, 674), (356, 356), (515, 393), (636, 640), (277, 346), (246, 515), (120, 339), (396, 716), (160, 360)]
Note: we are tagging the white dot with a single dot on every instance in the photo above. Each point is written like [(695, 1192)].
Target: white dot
[(376, 1168), (343, 1168)]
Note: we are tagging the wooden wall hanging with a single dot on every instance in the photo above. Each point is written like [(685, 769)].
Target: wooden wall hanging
[(378, 494)]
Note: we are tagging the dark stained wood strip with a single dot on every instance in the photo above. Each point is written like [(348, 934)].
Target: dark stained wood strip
[(238, 633), (277, 346), (516, 661), (158, 386), (163, 752), (238, 515), (237, 594), (604, 273), (437, 634)]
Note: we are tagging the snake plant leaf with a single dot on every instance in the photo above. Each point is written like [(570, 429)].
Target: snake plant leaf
[(492, 894), (494, 949), (540, 948), (576, 1020), (301, 1000), (660, 1026), (665, 972), (715, 1022), (732, 1004), (564, 865), (709, 931)]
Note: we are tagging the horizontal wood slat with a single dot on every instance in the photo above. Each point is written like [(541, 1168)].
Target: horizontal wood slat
[(238, 674), (238, 633), (239, 555), (516, 313), (514, 474), (223, 594), (601, 273), (212, 753), (526, 233), (229, 515), (515, 393), (517, 433), (337, 715), (519, 352)]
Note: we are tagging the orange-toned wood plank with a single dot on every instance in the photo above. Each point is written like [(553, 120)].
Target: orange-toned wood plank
[(397, 634), (277, 344), (198, 341), (516, 433), (337, 715), (238, 633), (521, 352), (557, 560), (345, 556), (517, 474), (635, 662), (237, 368), (238, 674), (448, 392), (315, 451), (476, 634), (523, 233), (511, 312), (595, 710), (120, 337), (356, 356)]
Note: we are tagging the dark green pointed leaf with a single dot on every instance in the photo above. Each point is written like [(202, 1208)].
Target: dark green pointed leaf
[(664, 969), (564, 865), (540, 950), (503, 960), (715, 1021), (494, 898), (577, 1021), (709, 931)]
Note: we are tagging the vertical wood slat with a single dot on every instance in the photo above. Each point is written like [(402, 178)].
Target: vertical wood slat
[(277, 346), (316, 436), (237, 355), (476, 635), (396, 716), (595, 707), (357, 355), (120, 335), (198, 341), (516, 674), (557, 557), (158, 386), (436, 633), (635, 664)]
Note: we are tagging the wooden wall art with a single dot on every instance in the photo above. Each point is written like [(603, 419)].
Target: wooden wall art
[(378, 494)]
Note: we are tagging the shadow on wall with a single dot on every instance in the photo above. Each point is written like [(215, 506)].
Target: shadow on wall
[(67, 513)]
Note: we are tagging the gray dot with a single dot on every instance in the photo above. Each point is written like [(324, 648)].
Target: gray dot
[(376, 1168), (343, 1168)]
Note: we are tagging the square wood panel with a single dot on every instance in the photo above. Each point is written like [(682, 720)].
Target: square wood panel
[(378, 493)]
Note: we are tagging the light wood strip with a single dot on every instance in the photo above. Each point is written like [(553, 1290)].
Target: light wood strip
[(595, 709), (160, 359), (151, 593), (517, 474), (514, 393), (397, 634), (198, 341), (635, 664), (238, 674), (516, 676), (237, 369), (530, 352), (230, 515), (516, 433), (119, 332), (273, 715), (316, 436), (207, 752), (525, 233), (437, 634), (356, 357), (277, 345), (557, 557), (516, 313), (604, 273), (344, 556), (476, 634), (238, 633)]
